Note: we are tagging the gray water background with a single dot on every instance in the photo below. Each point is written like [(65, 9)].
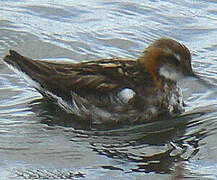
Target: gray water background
[(38, 140)]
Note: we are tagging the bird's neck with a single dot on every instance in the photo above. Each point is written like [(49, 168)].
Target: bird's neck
[(149, 62)]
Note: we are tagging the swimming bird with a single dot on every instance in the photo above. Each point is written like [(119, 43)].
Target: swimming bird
[(113, 90)]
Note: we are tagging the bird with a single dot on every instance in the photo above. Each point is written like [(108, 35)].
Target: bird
[(114, 90)]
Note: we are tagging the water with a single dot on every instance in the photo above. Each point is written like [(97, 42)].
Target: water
[(38, 140)]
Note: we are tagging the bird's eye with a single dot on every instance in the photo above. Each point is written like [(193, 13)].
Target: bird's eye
[(170, 59), (175, 60)]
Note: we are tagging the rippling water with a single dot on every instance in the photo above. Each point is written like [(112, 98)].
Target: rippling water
[(38, 140)]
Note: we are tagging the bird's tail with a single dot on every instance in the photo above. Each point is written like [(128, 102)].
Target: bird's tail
[(26, 65), (34, 72)]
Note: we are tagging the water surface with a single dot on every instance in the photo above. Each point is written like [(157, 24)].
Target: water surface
[(39, 140)]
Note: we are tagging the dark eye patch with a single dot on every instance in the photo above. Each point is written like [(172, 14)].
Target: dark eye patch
[(170, 59), (174, 60)]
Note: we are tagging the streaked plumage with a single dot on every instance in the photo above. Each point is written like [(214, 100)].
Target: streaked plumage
[(119, 90)]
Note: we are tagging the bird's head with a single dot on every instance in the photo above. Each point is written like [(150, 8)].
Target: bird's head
[(167, 59)]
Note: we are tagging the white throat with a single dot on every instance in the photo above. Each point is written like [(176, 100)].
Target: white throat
[(170, 73)]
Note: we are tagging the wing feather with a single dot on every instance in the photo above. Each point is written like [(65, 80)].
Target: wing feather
[(96, 76)]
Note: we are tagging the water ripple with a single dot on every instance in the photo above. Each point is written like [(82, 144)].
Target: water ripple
[(35, 132)]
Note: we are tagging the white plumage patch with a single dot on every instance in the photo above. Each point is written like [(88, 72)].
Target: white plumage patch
[(178, 57), (171, 73), (126, 94)]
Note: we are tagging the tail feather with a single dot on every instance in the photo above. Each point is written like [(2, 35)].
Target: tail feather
[(31, 67), (37, 73)]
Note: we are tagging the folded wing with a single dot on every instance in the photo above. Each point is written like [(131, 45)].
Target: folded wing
[(96, 77)]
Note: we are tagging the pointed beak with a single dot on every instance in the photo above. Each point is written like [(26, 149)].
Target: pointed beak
[(190, 73), (187, 70)]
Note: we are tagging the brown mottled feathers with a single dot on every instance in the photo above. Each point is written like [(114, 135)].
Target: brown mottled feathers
[(94, 76), (113, 89)]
